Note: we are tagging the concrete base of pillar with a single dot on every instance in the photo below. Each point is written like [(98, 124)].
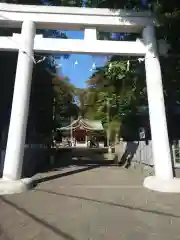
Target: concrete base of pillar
[(166, 186), (12, 187)]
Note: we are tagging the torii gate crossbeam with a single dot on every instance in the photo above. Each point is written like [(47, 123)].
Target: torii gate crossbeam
[(73, 18), (59, 46)]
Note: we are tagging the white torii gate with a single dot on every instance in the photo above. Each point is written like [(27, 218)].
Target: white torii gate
[(30, 18)]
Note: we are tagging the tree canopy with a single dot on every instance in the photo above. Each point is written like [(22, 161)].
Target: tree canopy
[(64, 105)]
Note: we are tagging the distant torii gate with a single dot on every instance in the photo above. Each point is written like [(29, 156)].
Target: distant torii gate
[(30, 18)]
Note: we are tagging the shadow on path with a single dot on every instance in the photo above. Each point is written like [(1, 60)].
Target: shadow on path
[(64, 174), (129, 153), (55, 230), (112, 204)]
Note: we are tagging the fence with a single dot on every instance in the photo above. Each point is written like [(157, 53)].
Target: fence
[(176, 153), (141, 152)]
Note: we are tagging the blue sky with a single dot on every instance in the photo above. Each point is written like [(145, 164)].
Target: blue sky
[(79, 73)]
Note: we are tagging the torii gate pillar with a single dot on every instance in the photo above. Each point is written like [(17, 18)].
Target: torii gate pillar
[(163, 180), (11, 181)]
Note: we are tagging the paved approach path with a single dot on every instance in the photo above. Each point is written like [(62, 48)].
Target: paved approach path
[(90, 203)]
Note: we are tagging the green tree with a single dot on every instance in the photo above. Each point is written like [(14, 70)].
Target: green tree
[(64, 105), (120, 85)]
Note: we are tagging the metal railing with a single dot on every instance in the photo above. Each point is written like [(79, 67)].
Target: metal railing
[(176, 153), (143, 153)]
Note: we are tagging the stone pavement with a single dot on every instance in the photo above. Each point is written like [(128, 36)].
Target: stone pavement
[(90, 203)]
